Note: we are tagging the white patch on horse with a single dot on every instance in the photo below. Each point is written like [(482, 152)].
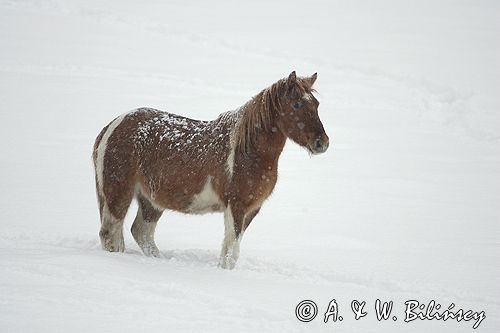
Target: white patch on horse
[(230, 156), (307, 96), (101, 151), (206, 201)]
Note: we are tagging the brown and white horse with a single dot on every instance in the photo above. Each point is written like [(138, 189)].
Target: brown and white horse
[(226, 165)]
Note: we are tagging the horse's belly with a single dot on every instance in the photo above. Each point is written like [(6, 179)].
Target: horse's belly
[(206, 201)]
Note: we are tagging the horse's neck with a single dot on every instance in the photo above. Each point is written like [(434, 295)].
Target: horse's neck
[(270, 143)]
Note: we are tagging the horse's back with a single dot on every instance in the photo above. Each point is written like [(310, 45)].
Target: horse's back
[(141, 127), (166, 156)]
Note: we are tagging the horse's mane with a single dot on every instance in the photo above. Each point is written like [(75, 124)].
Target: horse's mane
[(258, 112)]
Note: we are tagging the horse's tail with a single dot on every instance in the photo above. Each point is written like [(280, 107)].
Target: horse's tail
[(96, 144), (98, 155), (100, 199)]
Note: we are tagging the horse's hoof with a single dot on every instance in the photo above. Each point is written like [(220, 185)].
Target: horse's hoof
[(227, 263), (150, 250)]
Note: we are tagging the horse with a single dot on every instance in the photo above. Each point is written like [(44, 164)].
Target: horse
[(169, 162)]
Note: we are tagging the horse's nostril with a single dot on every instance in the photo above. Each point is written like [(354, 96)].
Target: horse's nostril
[(319, 144)]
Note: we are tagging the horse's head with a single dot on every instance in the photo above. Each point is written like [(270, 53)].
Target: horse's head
[(298, 118)]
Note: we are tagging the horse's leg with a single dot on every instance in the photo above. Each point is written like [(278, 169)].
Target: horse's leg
[(236, 220), (113, 210), (144, 226), (248, 219), (228, 244), (111, 232)]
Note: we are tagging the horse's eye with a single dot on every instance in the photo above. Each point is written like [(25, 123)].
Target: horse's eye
[(297, 105)]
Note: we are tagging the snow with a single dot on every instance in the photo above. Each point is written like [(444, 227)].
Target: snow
[(403, 205), (181, 133)]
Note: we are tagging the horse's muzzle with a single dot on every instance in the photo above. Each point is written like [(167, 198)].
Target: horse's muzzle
[(320, 145)]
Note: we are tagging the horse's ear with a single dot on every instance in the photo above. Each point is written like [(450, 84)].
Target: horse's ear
[(310, 80), (292, 78)]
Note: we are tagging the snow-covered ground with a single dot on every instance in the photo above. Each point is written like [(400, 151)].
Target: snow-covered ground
[(403, 206)]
